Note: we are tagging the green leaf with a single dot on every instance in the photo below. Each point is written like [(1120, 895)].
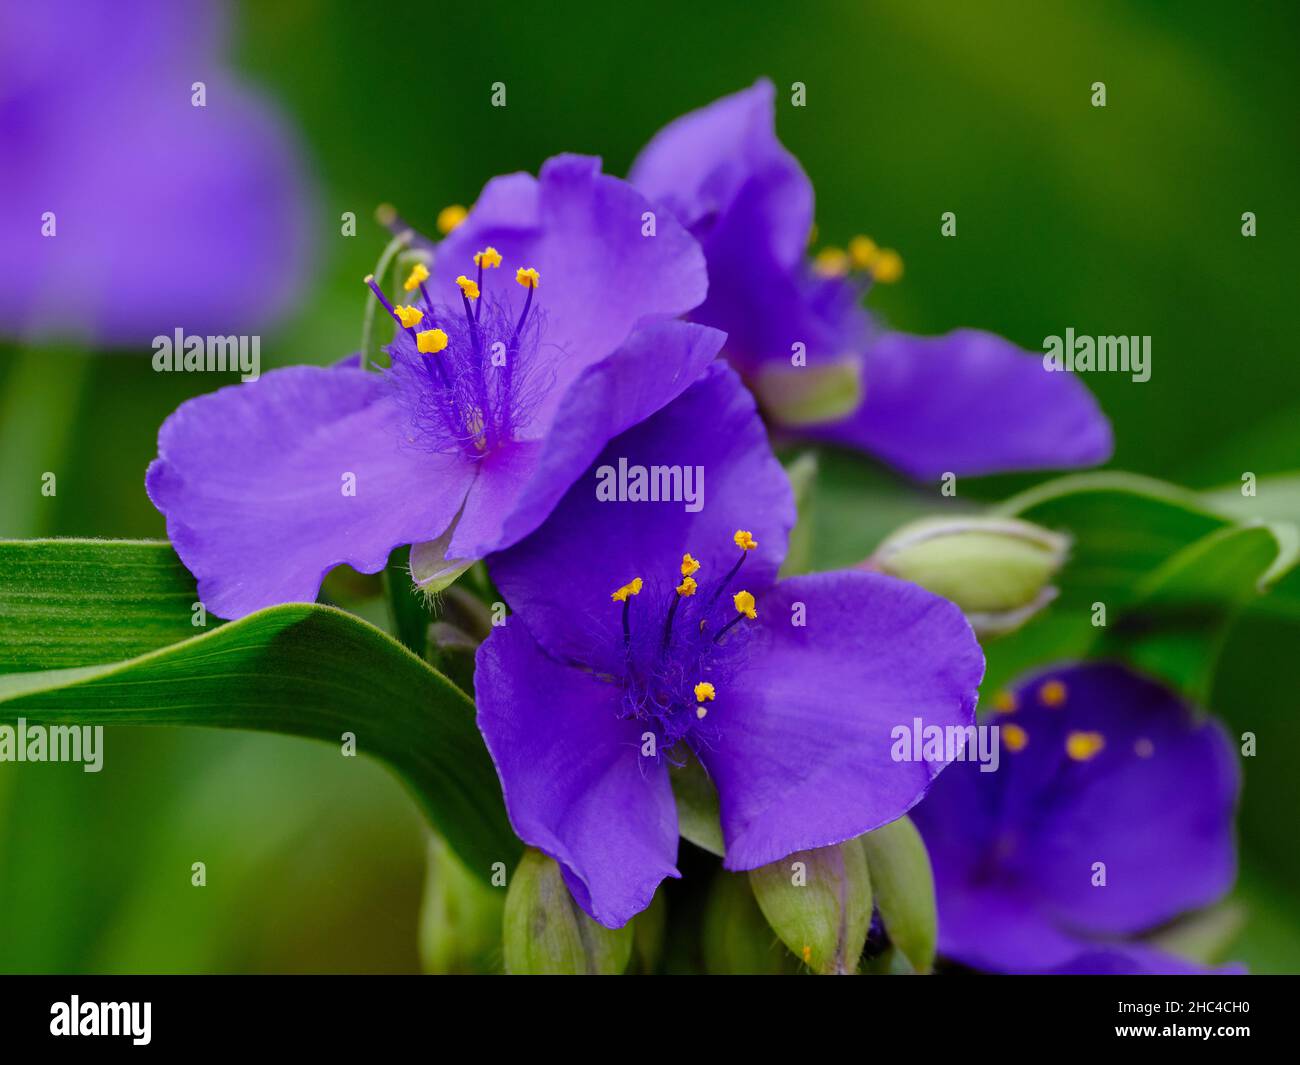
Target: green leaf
[(77, 602), (736, 939), (300, 669)]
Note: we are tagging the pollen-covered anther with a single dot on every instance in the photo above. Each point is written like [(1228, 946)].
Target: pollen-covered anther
[(1014, 737), (489, 258), (431, 341), (528, 277), (863, 252), (409, 316), (888, 267), (450, 217), (419, 272), (633, 587), (1083, 746), (744, 540), (468, 287), (1052, 693), (745, 604), (705, 692), (689, 565), (1004, 702), (687, 587), (831, 262), (701, 712)]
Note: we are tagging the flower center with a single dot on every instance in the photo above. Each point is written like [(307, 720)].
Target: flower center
[(467, 373), (680, 648)]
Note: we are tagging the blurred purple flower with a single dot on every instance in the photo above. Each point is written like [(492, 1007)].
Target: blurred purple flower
[(967, 402), (165, 215), (1098, 766), (499, 395), (787, 691)]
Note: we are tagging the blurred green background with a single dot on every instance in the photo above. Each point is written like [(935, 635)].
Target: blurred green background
[(1119, 220)]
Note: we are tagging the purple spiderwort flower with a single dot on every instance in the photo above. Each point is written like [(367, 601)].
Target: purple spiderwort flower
[(501, 391), (1098, 765), (967, 402), (645, 630), (157, 214)]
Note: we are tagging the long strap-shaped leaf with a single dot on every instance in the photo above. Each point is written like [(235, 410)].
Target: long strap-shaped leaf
[(300, 669)]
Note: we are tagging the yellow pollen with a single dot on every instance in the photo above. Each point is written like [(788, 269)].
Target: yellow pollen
[(744, 540), (408, 316), (468, 287), (689, 565), (450, 217), (1081, 746), (1052, 693), (704, 692), (529, 277), (888, 267), (419, 272), (700, 711), (1015, 738), (831, 262), (1004, 702), (687, 587), (745, 604), (863, 253), (807, 955), (431, 341), (488, 258), (633, 587), (1144, 748)]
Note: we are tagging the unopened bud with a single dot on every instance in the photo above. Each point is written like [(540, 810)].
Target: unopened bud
[(819, 903), (996, 569), (904, 890), (810, 395), (547, 933)]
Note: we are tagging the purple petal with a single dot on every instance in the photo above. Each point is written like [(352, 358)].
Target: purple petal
[(251, 480), (725, 159), (1134, 959), (582, 230), (517, 488), (970, 403), (802, 752), (202, 224), (559, 580), (574, 781)]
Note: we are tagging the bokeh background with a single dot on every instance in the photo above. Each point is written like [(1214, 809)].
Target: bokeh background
[(1125, 220)]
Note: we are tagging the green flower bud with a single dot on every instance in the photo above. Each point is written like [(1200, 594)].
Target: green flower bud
[(819, 903), (460, 917), (809, 395), (904, 886), (996, 569), (547, 933), (736, 939)]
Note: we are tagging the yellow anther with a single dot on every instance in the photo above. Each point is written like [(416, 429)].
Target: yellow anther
[(529, 277), (744, 540), (488, 258), (888, 267), (831, 262), (1144, 748), (468, 287), (385, 214), (807, 955), (450, 217), (704, 692), (431, 341), (408, 316), (1015, 738), (745, 604), (1081, 746), (1004, 702), (419, 272), (701, 711), (1052, 693), (689, 565), (687, 587), (633, 587), (863, 253)]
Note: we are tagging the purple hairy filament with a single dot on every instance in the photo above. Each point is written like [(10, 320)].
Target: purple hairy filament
[(680, 647), (468, 372)]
